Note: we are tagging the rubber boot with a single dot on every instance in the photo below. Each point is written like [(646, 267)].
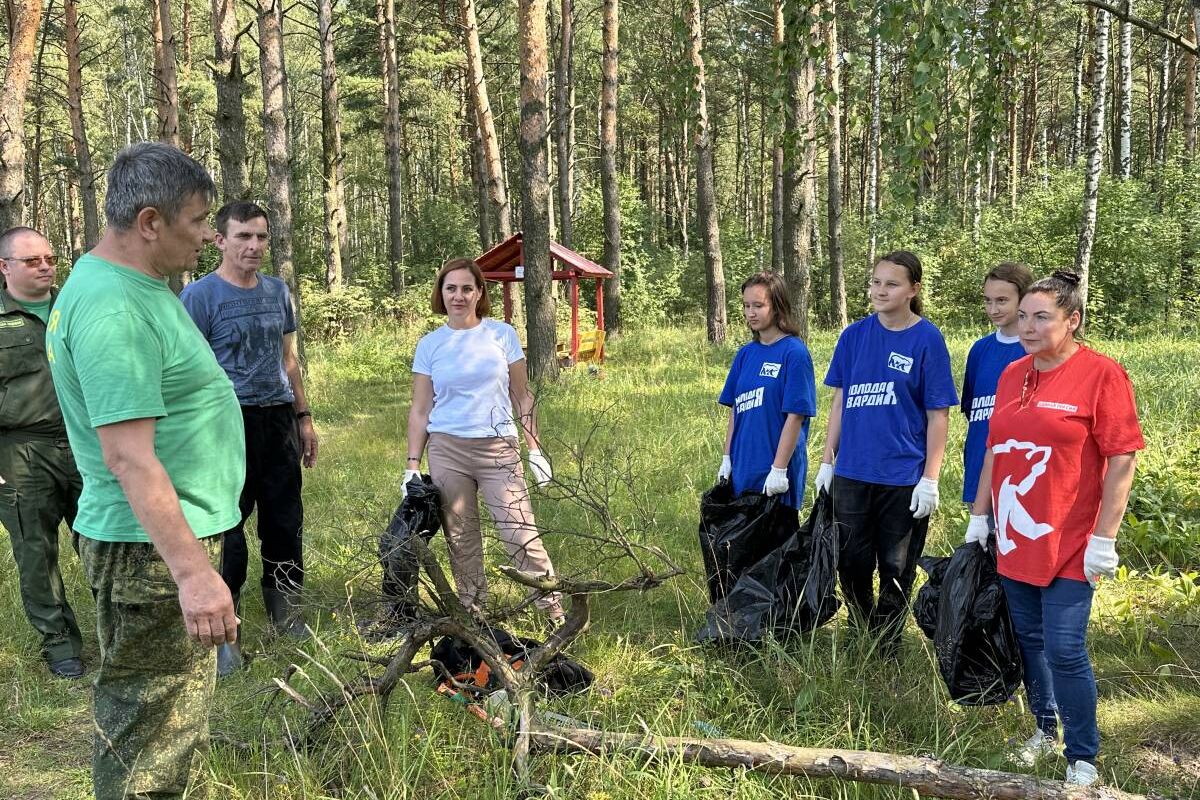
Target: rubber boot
[(287, 617), (229, 654)]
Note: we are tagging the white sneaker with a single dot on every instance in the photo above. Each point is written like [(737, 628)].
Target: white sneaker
[(1081, 773), (1037, 747)]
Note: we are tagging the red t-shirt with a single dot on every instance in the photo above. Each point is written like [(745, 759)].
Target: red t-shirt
[(1051, 435)]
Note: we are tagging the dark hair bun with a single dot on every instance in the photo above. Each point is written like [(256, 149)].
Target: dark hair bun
[(1067, 277)]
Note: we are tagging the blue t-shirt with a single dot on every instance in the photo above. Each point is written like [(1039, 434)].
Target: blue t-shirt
[(889, 379), (765, 384), (245, 328), (987, 359)]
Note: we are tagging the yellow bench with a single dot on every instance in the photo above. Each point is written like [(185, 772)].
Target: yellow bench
[(591, 348)]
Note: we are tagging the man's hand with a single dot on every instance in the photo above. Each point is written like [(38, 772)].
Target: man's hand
[(308, 442), (208, 608), (824, 479)]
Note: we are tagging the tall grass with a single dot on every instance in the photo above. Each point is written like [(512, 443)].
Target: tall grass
[(655, 400)]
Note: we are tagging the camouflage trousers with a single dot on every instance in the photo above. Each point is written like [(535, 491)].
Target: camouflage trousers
[(155, 685)]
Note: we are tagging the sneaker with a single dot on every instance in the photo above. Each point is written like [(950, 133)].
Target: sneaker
[(1081, 773), (1040, 745)]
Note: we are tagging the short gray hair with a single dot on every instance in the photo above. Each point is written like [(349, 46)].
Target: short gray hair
[(153, 175)]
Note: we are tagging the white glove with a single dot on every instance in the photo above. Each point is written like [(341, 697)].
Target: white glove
[(924, 498), (977, 530), (540, 468), (409, 474), (726, 470), (1100, 558), (777, 482), (824, 479)]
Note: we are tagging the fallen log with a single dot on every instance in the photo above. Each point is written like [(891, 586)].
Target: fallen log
[(928, 776)]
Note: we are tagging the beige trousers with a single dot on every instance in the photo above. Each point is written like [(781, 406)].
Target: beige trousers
[(463, 468)]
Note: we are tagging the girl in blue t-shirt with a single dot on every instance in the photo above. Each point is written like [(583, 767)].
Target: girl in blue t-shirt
[(893, 391), (1003, 289), (772, 395)]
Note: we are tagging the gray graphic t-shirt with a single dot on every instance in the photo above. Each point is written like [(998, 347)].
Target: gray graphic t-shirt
[(245, 328)]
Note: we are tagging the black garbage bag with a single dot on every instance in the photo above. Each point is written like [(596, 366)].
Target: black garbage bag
[(417, 515), (789, 590), (456, 658), (735, 532), (962, 608)]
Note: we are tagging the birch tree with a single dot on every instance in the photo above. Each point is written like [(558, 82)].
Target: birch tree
[(1095, 153)]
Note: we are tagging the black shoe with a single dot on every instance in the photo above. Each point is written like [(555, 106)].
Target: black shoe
[(283, 609), (69, 668)]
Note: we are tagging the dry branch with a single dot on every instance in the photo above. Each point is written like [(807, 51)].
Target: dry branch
[(927, 776), (1122, 13)]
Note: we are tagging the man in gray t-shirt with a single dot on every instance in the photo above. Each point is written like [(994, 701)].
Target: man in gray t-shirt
[(249, 322)]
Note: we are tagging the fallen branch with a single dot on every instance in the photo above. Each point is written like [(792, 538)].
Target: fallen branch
[(1122, 13), (927, 776)]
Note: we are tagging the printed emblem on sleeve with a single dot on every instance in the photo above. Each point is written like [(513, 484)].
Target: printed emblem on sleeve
[(900, 363), (769, 370)]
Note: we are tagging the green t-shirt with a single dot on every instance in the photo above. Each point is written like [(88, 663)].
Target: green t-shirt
[(122, 347), (40, 310)]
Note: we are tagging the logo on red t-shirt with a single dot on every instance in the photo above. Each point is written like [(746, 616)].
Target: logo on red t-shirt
[(1011, 514)]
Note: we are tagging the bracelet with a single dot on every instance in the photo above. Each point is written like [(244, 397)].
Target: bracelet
[(303, 414), (415, 458)]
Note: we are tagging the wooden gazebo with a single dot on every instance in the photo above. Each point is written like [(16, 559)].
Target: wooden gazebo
[(505, 264)]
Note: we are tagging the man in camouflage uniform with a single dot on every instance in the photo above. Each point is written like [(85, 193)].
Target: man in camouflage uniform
[(157, 433), (39, 485)]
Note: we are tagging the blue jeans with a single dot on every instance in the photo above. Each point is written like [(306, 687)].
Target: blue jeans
[(1051, 625)]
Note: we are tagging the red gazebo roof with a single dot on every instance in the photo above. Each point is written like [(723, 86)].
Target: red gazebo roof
[(500, 263)]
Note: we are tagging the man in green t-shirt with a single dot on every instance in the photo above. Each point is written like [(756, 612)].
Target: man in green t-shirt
[(157, 434), (39, 485)]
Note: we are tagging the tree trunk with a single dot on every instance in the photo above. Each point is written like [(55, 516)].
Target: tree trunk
[(777, 195), (230, 120), (928, 777), (36, 184), (483, 115), (275, 139), (1013, 176), (873, 143), (609, 187), (1125, 113), (1095, 155), (1077, 114), (166, 81), (393, 143), (837, 278), (564, 122), (1189, 89), (83, 153), (1164, 94), (22, 37), (333, 195), (706, 200), (800, 162), (541, 328)]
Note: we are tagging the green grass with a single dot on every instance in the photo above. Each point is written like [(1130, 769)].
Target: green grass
[(651, 409)]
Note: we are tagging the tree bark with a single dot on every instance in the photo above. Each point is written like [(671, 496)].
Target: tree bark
[(928, 777), (541, 328), (799, 163), (230, 120), (873, 143), (837, 278), (1125, 113), (1189, 89), (777, 159), (609, 186), (83, 153), (166, 80), (272, 70), (1095, 158), (1077, 114), (333, 196), (393, 143), (706, 200), (1164, 94), (564, 122), (22, 37), (483, 116)]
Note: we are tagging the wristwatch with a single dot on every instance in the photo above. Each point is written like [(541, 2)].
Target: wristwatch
[(303, 414)]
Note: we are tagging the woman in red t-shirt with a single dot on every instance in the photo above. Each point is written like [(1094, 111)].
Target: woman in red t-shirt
[(1060, 460)]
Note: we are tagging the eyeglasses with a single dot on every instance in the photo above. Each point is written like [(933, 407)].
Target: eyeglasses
[(33, 261), (1029, 385)]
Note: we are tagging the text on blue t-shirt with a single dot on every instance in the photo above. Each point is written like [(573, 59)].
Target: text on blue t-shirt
[(986, 361)]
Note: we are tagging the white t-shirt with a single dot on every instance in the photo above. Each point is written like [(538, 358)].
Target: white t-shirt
[(469, 369)]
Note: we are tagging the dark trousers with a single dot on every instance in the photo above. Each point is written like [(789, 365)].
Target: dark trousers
[(41, 489), (878, 533), (273, 487)]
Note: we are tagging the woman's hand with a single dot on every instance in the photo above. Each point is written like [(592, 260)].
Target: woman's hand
[(977, 530), (409, 474), (726, 470), (540, 467), (1100, 558), (777, 482), (925, 498), (824, 480)]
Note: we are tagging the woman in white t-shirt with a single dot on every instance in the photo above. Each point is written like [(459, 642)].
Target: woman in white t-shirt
[(467, 377)]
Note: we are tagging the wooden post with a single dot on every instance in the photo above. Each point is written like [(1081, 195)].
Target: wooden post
[(574, 318), (507, 301), (600, 303)]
